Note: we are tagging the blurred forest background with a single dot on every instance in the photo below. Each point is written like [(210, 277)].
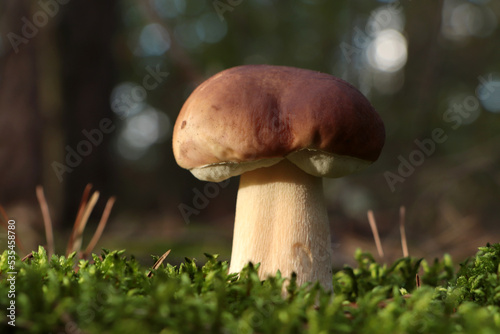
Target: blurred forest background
[(430, 68)]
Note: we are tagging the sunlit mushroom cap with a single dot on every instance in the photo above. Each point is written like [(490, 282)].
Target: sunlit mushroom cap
[(254, 116)]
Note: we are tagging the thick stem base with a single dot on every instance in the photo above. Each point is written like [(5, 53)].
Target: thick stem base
[(281, 221)]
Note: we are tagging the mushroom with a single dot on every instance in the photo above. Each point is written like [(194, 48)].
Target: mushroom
[(282, 129)]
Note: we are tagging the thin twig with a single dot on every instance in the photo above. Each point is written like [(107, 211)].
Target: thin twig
[(373, 226), (418, 283), (49, 235), (402, 230), (159, 262), (27, 256), (81, 208), (83, 222), (100, 227)]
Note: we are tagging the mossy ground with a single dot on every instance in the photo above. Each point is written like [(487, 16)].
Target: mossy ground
[(112, 293)]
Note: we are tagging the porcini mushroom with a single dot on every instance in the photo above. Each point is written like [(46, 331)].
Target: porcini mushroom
[(282, 129)]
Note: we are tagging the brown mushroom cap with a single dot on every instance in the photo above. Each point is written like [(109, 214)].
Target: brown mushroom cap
[(254, 116)]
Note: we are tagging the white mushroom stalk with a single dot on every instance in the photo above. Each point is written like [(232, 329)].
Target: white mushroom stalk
[(281, 222), (282, 129)]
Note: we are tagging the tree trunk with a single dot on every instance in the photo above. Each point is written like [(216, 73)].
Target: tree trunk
[(86, 45), (20, 121)]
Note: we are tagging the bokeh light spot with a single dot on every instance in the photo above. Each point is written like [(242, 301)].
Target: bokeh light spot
[(385, 17), (154, 40), (170, 8), (141, 131), (210, 28), (126, 99), (466, 19), (388, 51), (489, 95), (463, 107)]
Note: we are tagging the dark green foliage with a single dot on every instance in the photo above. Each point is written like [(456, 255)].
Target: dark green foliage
[(370, 275), (113, 294), (479, 277)]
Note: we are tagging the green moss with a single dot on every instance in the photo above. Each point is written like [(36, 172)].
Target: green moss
[(113, 294)]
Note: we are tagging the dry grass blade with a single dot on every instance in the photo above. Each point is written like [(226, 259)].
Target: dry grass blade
[(373, 226), (47, 222), (402, 230), (100, 227), (159, 262), (27, 257), (5, 224), (81, 208), (77, 242)]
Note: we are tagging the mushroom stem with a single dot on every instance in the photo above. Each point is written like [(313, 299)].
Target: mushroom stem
[(281, 221)]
